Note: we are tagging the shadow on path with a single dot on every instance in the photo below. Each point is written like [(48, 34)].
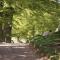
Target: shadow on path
[(16, 52)]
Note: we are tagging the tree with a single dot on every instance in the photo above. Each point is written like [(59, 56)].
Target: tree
[(35, 15), (1, 19), (8, 17), (6, 21), (31, 17)]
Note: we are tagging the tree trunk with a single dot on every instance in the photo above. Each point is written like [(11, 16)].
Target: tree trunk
[(1, 32), (8, 17), (1, 15)]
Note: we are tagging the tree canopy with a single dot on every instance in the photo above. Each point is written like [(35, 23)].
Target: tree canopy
[(33, 16)]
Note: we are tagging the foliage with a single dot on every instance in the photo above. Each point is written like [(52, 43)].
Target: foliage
[(34, 17), (45, 44), (42, 41)]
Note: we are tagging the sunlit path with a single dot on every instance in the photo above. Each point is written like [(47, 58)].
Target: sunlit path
[(16, 52)]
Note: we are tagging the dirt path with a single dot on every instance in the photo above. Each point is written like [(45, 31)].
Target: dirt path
[(16, 52)]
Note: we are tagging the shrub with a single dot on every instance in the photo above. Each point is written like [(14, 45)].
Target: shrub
[(44, 43)]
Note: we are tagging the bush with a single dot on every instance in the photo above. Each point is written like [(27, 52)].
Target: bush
[(43, 43), (40, 40)]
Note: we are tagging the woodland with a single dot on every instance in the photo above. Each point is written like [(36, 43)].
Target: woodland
[(29, 19)]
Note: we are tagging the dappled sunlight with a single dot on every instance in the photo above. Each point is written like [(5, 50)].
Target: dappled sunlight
[(22, 27), (16, 52), (22, 55), (16, 41), (25, 52), (19, 47)]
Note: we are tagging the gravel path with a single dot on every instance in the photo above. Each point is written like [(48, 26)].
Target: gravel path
[(16, 52)]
